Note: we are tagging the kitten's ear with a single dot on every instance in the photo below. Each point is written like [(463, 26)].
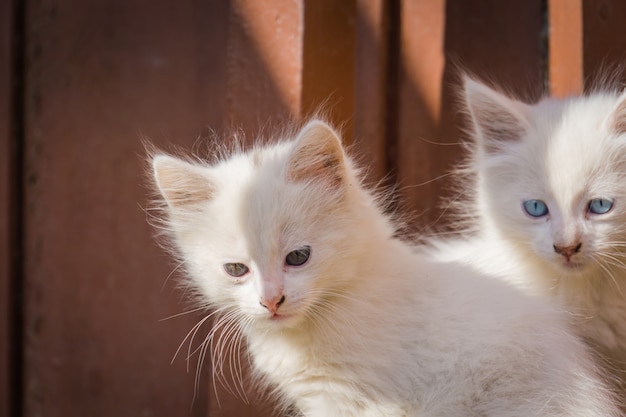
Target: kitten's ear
[(318, 154), (181, 184), (496, 118), (618, 115)]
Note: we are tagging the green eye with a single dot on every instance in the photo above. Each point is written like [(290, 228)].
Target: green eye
[(298, 257), (236, 270)]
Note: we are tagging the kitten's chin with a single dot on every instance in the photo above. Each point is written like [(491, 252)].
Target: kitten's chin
[(571, 267), (281, 318), (279, 321)]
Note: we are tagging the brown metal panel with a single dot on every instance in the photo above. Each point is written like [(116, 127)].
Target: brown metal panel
[(565, 47), (500, 41), (421, 64), (604, 40), (8, 221), (329, 40), (263, 62), (371, 80), (497, 40), (100, 74)]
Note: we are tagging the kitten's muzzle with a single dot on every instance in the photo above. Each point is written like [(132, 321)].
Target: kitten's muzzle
[(272, 305), (567, 251)]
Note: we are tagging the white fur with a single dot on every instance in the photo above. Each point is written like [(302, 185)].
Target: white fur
[(368, 326), (564, 152)]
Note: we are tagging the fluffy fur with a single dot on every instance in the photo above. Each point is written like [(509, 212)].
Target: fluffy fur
[(565, 153), (366, 326)]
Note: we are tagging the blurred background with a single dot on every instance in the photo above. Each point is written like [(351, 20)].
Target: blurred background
[(84, 289)]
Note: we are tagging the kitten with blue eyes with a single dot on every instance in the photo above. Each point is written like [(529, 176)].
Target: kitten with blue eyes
[(299, 260), (547, 208)]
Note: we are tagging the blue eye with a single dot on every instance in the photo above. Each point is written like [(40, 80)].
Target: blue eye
[(600, 205), (535, 208)]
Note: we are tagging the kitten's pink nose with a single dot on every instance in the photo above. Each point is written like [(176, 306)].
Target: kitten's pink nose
[(567, 251), (273, 304)]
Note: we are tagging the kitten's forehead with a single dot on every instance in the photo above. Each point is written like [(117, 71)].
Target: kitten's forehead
[(265, 208), (572, 144)]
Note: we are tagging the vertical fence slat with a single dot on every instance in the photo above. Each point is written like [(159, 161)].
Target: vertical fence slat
[(502, 42), (371, 76), (497, 40), (603, 40), (420, 66), (263, 63), (565, 65), (8, 182), (587, 44), (328, 51)]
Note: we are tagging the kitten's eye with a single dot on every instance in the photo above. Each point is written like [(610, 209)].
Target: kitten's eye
[(298, 257), (600, 205), (236, 270), (535, 208)]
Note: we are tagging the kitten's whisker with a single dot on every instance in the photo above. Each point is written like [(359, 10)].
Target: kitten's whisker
[(345, 315), (614, 260), (180, 263), (190, 352), (220, 328), (201, 308), (199, 367), (421, 184), (423, 139), (193, 330), (214, 375), (228, 345), (224, 339), (229, 349), (445, 209), (201, 349), (616, 264), (619, 243), (238, 348), (216, 347), (197, 350), (612, 277), (328, 293), (444, 233), (332, 320)]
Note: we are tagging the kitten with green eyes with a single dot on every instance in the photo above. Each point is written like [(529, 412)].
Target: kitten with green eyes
[(547, 208), (299, 260)]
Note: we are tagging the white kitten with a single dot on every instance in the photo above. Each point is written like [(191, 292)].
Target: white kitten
[(548, 209), (345, 320)]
